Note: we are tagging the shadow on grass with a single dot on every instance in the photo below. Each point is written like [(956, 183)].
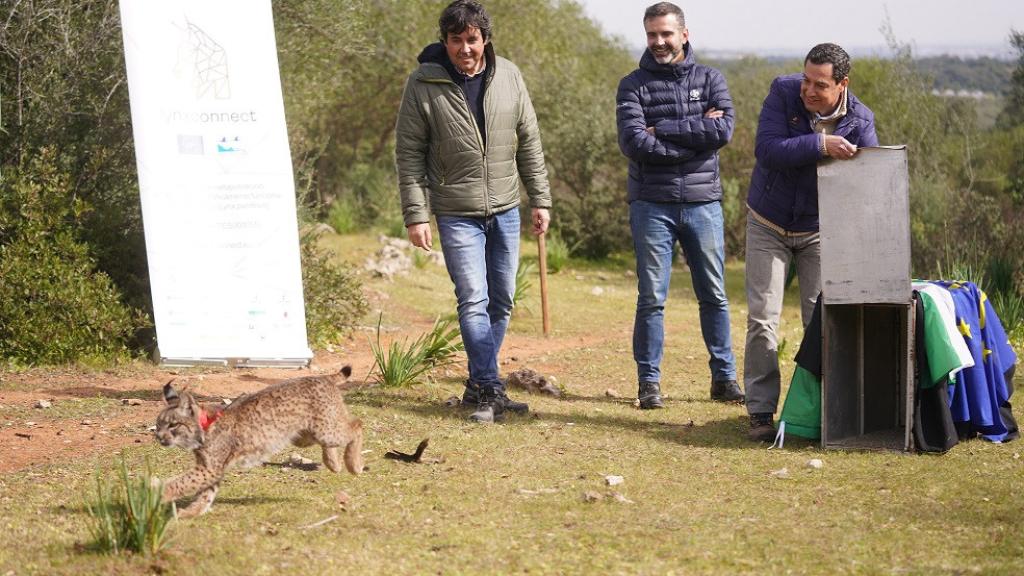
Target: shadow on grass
[(252, 500), (112, 393), (721, 433)]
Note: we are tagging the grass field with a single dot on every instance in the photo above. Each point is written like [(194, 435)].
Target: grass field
[(697, 497)]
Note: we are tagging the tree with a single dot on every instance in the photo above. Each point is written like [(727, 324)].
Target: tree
[(1013, 111)]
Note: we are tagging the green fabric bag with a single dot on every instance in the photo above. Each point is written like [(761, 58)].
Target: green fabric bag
[(801, 414)]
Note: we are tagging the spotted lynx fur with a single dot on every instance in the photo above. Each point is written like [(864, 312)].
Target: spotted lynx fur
[(300, 412)]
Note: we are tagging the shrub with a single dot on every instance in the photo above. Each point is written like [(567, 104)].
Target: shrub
[(129, 517), (342, 217), (557, 253), (333, 294), (55, 306)]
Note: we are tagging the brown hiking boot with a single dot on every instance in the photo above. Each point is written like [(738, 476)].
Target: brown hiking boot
[(761, 428)]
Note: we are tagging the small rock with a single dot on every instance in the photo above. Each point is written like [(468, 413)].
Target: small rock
[(297, 459), (629, 274), (591, 496), (614, 480), (533, 382), (151, 429), (43, 404), (782, 473), (30, 424), (636, 402), (226, 401), (815, 463), (596, 291), (1016, 455), (610, 393), (88, 423), (580, 277)]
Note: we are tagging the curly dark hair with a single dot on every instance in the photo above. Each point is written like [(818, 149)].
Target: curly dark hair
[(665, 9), (831, 54), (462, 14)]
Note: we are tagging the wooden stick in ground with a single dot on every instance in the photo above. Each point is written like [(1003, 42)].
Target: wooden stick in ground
[(542, 250)]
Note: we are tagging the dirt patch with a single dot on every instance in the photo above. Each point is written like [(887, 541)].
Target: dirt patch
[(52, 439)]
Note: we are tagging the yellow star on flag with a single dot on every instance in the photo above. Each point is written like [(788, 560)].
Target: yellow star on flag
[(965, 328)]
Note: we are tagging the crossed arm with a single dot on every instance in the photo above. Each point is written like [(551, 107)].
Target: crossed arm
[(672, 140)]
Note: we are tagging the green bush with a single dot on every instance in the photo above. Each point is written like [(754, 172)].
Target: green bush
[(55, 306), (342, 217), (558, 253), (333, 294)]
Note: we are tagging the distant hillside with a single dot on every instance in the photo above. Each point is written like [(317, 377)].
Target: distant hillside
[(953, 73), (982, 74)]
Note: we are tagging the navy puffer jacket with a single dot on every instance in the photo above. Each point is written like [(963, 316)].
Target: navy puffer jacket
[(784, 185), (679, 162)]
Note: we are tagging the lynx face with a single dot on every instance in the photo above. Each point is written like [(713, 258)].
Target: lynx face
[(178, 424)]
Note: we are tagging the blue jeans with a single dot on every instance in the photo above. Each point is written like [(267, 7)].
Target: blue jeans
[(698, 227), (482, 255)]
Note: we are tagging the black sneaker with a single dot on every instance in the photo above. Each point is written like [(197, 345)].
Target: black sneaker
[(471, 395), (510, 405), (762, 428), (649, 394), (493, 404), (726, 391), (487, 410)]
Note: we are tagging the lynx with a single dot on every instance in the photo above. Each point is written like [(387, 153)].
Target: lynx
[(300, 412)]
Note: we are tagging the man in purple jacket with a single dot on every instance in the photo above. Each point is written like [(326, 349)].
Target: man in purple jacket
[(673, 115), (805, 118)]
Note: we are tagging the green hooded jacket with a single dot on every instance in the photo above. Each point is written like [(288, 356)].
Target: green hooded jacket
[(443, 166)]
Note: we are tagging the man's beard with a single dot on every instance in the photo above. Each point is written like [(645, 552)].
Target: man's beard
[(666, 58)]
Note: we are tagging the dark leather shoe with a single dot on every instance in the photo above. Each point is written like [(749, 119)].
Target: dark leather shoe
[(761, 428), (471, 396), (726, 391), (649, 394)]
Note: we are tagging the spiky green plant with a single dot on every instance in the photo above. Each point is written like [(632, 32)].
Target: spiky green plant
[(130, 517), (523, 283), (558, 253), (440, 345), (399, 364), (403, 362)]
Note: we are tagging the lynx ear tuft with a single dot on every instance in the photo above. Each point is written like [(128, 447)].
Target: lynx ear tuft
[(170, 394), (346, 371)]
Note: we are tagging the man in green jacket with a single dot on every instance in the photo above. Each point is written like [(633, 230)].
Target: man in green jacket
[(466, 135)]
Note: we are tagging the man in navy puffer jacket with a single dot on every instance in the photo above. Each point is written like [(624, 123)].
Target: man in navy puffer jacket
[(673, 115), (805, 118)]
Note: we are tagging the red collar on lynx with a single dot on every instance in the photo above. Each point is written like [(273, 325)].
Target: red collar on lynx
[(206, 420)]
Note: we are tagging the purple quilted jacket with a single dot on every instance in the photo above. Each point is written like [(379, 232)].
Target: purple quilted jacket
[(784, 185)]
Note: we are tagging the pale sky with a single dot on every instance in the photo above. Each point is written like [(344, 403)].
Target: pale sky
[(761, 25)]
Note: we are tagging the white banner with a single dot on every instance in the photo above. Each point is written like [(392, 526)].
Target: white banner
[(215, 178)]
